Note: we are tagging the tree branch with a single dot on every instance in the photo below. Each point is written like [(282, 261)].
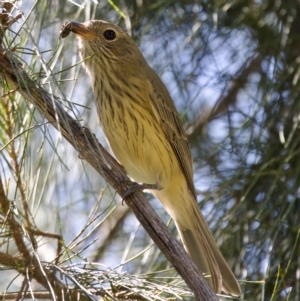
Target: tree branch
[(94, 153), (226, 99)]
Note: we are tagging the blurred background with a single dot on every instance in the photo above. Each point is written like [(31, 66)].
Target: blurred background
[(232, 69)]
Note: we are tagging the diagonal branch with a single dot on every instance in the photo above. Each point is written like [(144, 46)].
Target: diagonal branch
[(94, 153), (226, 99)]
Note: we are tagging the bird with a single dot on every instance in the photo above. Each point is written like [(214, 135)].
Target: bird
[(143, 129)]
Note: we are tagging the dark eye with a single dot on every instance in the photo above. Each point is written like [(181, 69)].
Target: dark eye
[(109, 34)]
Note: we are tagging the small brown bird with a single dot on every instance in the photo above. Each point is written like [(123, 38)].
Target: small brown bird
[(144, 131)]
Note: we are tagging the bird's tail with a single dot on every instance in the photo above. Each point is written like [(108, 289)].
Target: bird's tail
[(201, 246)]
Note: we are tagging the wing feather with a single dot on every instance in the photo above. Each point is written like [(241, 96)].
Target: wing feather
[(166, 113)]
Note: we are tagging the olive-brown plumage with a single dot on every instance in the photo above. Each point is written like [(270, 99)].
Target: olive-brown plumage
[(143, 129)]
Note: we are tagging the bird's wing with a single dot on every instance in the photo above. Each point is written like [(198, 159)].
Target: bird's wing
[(166, 113)]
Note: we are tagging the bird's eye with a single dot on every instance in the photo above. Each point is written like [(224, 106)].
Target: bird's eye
[(109, 34)]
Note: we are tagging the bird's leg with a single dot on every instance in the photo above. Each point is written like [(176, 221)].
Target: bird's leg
[(139, 187)]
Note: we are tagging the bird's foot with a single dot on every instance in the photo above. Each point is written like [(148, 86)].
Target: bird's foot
[(139, 187)]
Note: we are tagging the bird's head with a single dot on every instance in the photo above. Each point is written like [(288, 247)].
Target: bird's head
[(103, 39)]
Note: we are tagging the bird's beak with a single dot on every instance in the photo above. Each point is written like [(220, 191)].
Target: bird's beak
[(80, 29)]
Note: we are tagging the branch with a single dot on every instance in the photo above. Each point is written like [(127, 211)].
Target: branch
[(207, 114), (95, 154)]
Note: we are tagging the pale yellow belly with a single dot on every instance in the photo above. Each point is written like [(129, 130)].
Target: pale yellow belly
[(139, 143)]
